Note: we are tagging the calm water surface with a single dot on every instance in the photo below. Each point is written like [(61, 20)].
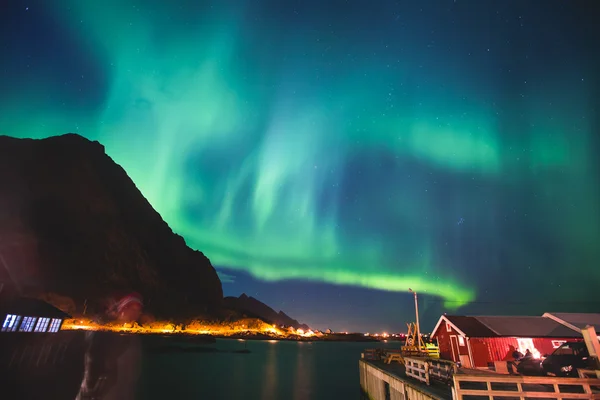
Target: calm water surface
[(272, 370)]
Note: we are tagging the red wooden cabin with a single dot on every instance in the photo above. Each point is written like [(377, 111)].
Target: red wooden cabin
[(479, 341)]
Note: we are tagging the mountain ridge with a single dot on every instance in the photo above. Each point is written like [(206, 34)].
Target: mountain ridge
[(256, 308), (73, 222), (74, 228)]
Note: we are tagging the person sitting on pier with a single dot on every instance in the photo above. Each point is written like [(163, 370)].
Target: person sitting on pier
[(512, 358), (516, 354), (527, 355)]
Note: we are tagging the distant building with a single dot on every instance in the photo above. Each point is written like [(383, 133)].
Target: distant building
[(24, 314), (478, 341)]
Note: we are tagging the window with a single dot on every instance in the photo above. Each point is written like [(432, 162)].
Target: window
[(55, 325), (10, 323), (527, 344), (448, 327), (42, 325), (16, 325), (27, 324), (557, 343), (461, 340)]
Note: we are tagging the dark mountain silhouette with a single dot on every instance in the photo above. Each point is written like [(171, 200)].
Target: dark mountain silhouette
[(73, 223), (256, 309)]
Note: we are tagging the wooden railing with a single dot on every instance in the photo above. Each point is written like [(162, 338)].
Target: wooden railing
[(414, 351), (373, 354), (417, 368), (589, 373), (379, 384), (442, 370), (426, 369), (494, 387), (433, 352)]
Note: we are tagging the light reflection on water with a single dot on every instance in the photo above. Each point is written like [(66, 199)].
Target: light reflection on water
[(272, 370), (302, 381), (270, 375)]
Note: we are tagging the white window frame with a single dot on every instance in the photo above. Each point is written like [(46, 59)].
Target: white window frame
[(448, 327), (54, 325), (24, 324), (28, 324), (17, 323), (10, 322), (461, 340), (42, 325)]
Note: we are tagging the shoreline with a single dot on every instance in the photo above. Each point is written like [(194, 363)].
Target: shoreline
[(208, 338), (207, 332)]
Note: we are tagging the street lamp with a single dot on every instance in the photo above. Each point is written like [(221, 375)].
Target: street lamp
[(417, 315)]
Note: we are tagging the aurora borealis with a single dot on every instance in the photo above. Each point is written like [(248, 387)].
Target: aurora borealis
[(356, 148)]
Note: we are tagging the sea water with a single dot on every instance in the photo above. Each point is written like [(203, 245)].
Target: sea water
[(269, 370)]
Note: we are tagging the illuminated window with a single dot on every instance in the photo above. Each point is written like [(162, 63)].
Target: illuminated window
[(16, 324), (10, 323), (527, 344), (448, 327), (42, 325), (55, 325), (24, 323), (27, 324), (461, 340)]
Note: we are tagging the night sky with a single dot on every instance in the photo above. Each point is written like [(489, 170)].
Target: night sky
[(329, 155)]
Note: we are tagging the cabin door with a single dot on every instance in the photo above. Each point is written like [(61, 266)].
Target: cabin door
[(454, 345)]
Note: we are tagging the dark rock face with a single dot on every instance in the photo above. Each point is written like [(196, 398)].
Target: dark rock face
[(256, 309), (73, 223)]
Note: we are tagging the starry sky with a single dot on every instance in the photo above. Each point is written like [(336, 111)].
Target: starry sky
[(328, 156)]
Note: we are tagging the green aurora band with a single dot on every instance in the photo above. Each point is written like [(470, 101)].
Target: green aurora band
[(241, 139)]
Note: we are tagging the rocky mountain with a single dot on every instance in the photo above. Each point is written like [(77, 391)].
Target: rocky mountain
[(256, 309), (72, 223)]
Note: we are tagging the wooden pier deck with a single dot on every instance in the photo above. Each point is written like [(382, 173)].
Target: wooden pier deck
[(398, 385), (393, 381)]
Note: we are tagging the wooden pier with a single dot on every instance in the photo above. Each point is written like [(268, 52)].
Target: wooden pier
[(381, 381), (424, 379)]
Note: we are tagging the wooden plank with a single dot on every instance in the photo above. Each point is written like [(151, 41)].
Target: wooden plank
[(536, 395), (395, 375), (519, 381), (527, 379)]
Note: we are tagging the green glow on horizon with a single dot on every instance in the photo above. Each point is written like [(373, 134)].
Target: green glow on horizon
[(246, 160)]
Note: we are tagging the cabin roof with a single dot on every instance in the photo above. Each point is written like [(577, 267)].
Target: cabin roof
[(576, 321), (27, 306), (470, 326), (510, 326), (519, 326)]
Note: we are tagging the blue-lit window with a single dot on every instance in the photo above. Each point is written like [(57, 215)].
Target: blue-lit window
[(55, 325), (42, 325), (17, 323), (24, 324), (10, 323), (27, 324)]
